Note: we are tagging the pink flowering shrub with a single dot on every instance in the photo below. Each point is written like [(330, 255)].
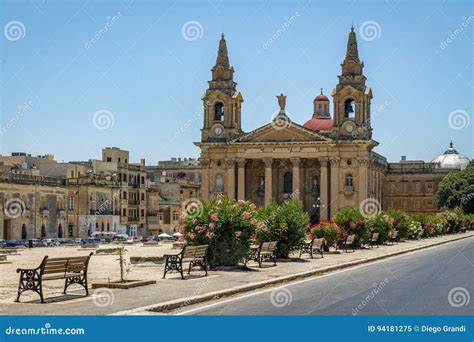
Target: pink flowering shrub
[(287, 224), (226, 225), (352, 222)]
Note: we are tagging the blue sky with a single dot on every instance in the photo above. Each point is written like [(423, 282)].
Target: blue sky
[(147, 73)]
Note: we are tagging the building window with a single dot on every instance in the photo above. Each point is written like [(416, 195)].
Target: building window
[(108, 227), (124, 212), (349, 108), (43, 231), (60, 231), (288, 182), (69, 230), (23, 232), (175, 216), (143, 213), (219, 111), (314, 184), (261, 184), (124, 195), (349, 181), (109, 159), (219, 184)]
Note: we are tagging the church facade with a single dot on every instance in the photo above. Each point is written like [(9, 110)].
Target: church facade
[(327, 164)]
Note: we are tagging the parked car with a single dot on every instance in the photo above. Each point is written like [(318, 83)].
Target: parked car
[(14, 243), (120, 237), (78, 240), (50, 242), (3, 243)]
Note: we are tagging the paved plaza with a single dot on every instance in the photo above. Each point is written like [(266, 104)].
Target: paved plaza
[(137, 300)]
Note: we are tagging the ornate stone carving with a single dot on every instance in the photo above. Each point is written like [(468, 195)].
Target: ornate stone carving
[(334, 161), (323, 161), (268, 162), (363, 161), (229, 163), (296, 161), (241, 162)]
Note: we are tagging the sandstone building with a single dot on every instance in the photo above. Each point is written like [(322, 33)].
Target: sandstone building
[(328, 162)]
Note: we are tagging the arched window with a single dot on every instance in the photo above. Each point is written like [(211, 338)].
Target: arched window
[(60, 231), (43, 231), (288, 182), (349, 181), (219, 184), (349, 108), (23, 232), (314, 184), (219, 111)]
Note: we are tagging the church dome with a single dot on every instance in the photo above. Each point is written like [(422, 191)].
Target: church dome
[(321, 97), (319, 124), (452, 159)]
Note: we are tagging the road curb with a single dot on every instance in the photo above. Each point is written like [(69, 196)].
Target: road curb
[(178, 304)]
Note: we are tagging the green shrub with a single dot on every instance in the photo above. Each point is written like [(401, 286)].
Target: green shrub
[(351, 221), (225, 224), (379, 223), (452, 219), (286, 224), (400, 222), (329, 230), (415, 230)]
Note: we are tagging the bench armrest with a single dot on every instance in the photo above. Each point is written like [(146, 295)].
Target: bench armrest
[(18, 270)]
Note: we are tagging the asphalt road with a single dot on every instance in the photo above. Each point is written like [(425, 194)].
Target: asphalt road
[(436, 281)]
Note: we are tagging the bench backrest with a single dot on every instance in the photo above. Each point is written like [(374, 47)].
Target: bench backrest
[(375, 236), (191, 252), (350, 239), (65, 265), (268, 246), (319, 243)]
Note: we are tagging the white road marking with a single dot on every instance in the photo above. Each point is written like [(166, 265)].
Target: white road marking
[(204, 307), (144, 309)]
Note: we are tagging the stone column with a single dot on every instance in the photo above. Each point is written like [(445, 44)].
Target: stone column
[(205, 163), (268, 180), (241, 179), (296, 177), (335, 185), (362, 179), (229, 163), (324, 191)]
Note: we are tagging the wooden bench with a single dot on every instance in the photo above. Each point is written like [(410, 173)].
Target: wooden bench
[(72, 269), (266, 251), (374, 240), (196, 255), (393, 236), (349, 241), (313, 245)]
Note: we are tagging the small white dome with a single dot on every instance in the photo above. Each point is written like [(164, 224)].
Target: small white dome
[(452, 159)]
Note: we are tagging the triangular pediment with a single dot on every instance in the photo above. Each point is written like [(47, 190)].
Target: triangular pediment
[(287, 132)]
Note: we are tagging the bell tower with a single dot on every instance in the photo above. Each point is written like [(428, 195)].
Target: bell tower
[(222, 102), (352, 97)]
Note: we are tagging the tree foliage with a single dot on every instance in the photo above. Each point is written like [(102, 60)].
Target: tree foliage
[(457, 190)]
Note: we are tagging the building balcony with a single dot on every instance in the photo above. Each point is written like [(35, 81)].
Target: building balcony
[(133, 202), (133, 219), (348, 190)]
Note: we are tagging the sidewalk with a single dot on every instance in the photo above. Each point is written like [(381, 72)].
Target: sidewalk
[(172, 293)]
